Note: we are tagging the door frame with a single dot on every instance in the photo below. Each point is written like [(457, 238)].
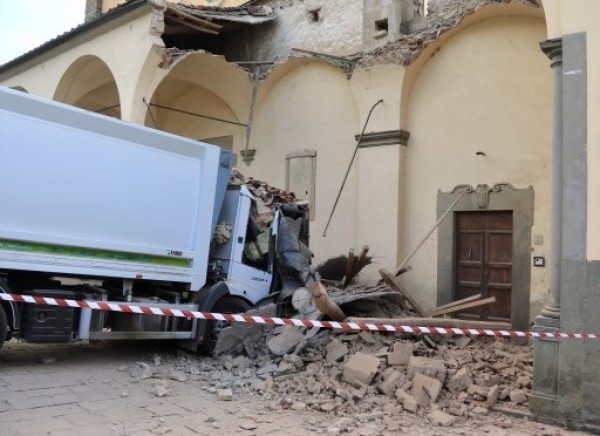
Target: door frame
[(499, 197)]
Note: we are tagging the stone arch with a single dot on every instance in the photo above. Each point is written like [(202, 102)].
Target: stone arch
[(478, 106), (88, 83), (203, 97)]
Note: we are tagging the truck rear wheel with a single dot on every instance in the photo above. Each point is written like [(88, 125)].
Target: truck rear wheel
[(3, 326), (227, 304)]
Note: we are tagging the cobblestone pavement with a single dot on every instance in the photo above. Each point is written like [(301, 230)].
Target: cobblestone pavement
[(82, 389)]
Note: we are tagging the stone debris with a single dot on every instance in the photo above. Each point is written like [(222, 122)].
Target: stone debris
[(440, 418), (361, 367), (224, 394), (162, 389), (141, 371), (362, 383)]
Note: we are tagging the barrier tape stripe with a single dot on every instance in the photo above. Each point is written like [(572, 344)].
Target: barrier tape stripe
[(254, 319)]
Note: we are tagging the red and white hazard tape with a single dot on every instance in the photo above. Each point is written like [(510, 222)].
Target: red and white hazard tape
[(252, 319)]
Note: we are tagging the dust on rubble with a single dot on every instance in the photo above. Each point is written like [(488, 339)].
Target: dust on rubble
[(367, 383)]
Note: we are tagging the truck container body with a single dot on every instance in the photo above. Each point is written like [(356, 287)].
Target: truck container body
[(87, 194)]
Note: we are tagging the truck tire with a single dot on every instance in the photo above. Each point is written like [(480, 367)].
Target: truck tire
[(3, 326), (226, 304)]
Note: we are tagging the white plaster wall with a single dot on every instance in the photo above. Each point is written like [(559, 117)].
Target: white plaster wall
[(338, 31), (311, 107), (487, 89), (380, 168)]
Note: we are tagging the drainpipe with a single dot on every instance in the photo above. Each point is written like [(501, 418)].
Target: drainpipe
[(553, 49)]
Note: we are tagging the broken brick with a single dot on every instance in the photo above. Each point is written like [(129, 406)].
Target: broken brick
[(388, 385), (517, 396), (425, 389), (401, 354), (408, 401), (440, 418), (361, 367), (429, 367), (460, 381)]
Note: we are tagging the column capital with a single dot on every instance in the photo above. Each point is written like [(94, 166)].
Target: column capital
[(553, 49)]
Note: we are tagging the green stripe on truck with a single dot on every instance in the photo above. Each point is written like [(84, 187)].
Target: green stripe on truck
[(92, 253)]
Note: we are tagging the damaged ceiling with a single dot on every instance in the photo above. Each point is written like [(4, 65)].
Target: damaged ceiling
[(213, 20)]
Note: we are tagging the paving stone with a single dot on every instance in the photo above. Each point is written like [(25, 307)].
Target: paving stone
[(361, 367)]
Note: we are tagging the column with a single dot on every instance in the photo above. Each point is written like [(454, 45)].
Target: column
[(553, 49), (543, 400)]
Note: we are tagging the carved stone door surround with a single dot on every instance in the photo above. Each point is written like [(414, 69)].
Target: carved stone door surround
[(498, 197)]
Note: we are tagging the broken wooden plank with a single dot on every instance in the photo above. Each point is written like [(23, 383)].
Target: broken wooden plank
[(461, 307), (461, 301), (404, 270), (349, 268), (358, 264), (436, 322), (392, 283)]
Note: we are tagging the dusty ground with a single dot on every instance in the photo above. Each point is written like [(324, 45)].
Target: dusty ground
[(85, 389)]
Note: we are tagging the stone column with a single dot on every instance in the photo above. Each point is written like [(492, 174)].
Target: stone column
[(543, 400), (551, 313)]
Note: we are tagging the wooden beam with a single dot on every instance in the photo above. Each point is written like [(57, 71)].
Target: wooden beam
[(362, 260), (392, 283), (176, 11), (461, 307), (464, 300), (192, 25), (436, 322), (445, 214), (406, 269), (349, 267)]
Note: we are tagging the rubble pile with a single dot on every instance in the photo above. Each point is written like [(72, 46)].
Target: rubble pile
[(363, 376)]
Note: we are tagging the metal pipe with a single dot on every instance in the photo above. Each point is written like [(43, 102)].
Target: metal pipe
[(350, 166), (221, 120)]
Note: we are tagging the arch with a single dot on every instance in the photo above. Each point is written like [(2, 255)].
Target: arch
[(478, 107), (88, 83), (207, 85), (482, 14)]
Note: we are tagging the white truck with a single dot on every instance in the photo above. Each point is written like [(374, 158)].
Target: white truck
[(95, 208)]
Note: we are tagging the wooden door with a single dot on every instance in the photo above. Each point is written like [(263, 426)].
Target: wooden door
[(484, 262)]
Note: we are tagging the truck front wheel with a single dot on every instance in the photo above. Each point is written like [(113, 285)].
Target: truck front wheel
[(226, 304), (3, 326)]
